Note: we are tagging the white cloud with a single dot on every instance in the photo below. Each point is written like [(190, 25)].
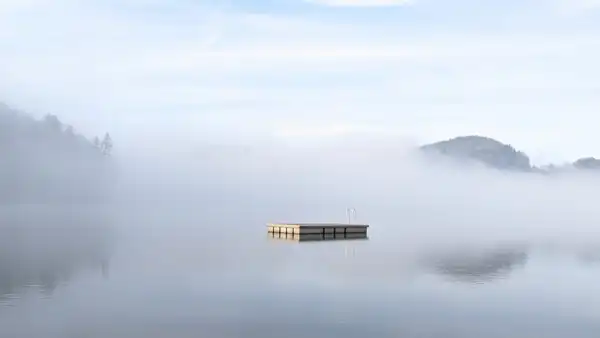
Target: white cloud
[(236, 73), (8, 7), (582, 4), (362, 3)]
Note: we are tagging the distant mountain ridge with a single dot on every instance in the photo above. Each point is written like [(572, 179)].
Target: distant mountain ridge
[(495, 154)]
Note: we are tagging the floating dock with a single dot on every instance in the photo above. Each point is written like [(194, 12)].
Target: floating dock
[(317, 228), (318, 237)]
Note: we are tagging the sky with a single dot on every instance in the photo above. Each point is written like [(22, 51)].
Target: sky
[(245, 71)]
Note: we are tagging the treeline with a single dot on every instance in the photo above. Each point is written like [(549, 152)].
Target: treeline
[(46, 161)]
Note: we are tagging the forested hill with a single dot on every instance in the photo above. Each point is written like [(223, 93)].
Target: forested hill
[(497, 155), (488, 151), (46, 161)]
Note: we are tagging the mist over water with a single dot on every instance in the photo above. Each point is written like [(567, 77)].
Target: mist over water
[(386, 182), (454, 250)]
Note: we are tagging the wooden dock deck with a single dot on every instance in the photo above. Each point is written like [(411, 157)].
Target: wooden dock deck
[(317, 228)]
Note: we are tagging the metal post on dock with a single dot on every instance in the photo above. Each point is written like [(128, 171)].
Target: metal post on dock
[(350, 212)]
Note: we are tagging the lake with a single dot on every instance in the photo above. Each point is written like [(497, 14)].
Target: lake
[(174, 273)]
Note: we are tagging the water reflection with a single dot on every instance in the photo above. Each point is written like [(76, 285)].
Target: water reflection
[(177, 280), (41, 250), (589, 254), (477, 265)]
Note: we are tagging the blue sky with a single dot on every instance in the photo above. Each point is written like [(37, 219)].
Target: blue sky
[(524, 72)]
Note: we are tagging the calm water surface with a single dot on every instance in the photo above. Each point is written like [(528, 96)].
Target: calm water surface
[(150, 274)]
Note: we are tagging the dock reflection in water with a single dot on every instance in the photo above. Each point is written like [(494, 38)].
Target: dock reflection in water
[(317, 237)]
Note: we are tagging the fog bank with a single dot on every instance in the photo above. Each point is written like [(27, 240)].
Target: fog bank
[(394, 187)]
